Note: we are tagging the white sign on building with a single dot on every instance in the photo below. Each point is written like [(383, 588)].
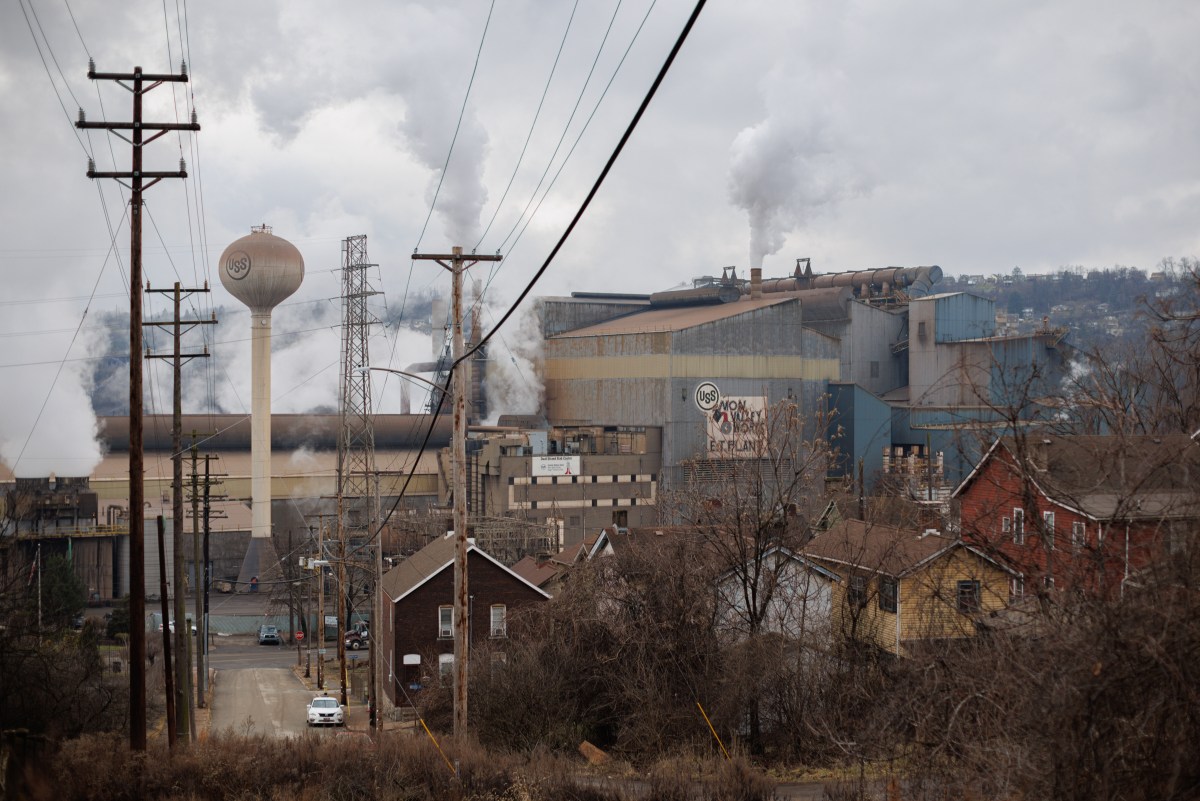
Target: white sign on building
[(561, 465), (737, 427)]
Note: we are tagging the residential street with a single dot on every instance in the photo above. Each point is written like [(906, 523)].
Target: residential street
[(255, 690)]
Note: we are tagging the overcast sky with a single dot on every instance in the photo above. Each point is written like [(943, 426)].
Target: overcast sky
[(977, 136)]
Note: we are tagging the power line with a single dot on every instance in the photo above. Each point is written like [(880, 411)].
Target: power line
[(532, 125), (457, 126)]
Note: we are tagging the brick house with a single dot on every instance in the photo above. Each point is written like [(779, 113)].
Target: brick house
[(417, 638), (900, 588), (1082, 512)]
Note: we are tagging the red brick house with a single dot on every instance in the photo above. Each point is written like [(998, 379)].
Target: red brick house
[(417, 638), (1081, 512)]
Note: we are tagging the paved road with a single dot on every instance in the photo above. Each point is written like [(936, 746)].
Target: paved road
[(255, 690)]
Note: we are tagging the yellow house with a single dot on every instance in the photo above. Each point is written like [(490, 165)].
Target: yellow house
[(900, 587)]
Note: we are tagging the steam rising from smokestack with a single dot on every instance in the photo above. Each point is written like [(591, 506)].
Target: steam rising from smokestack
[(427, 127), (784, 172)]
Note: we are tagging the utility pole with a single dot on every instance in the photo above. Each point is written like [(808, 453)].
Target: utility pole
[(184, 720), (136, 83), (457, 264), (209, 514), (168, 665), (200, 564)]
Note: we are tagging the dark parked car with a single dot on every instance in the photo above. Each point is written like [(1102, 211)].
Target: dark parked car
[(269, 635)]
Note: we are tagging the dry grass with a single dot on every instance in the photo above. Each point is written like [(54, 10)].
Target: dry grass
[(231, 767)]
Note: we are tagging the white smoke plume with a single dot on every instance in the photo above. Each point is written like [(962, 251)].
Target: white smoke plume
[(47, 424), (428, 127), (792, 166), (513, 382)]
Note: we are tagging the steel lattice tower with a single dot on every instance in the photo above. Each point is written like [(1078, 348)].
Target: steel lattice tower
[(358, 487), (356, 439)]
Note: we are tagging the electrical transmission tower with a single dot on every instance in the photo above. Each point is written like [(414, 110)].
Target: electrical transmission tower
[(358, 485)]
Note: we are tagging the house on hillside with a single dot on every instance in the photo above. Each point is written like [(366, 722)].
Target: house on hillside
[(1081, 511), (418, 636), (899, 588), (792, 596)]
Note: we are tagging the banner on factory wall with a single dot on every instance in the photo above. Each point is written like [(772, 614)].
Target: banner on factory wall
[(737, 427), (556, 465)]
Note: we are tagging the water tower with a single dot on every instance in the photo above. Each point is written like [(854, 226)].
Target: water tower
[(261, 270)]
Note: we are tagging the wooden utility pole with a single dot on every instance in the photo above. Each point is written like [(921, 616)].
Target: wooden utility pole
[(184, 721), (457, 264), (168, 665), (136, 82)]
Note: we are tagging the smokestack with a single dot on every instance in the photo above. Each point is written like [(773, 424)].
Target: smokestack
[(261, 270), (755, 282)]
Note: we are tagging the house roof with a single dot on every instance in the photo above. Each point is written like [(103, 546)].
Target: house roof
[(537, 573), (792, 556), (1105, 477), (885, 549), (432, 560)]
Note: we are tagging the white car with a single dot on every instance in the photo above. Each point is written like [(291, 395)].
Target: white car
[(325, 711)]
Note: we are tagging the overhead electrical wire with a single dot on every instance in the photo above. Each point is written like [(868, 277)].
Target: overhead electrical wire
[(532, 125), (458, 125), (567, 126)]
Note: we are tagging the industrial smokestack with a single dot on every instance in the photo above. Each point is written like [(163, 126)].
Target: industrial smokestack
[(755, 282), (261, 270)]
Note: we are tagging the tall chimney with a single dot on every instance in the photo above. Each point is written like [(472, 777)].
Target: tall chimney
[(755, 282)]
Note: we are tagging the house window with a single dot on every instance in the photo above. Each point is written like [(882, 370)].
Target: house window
[(445, 666), (1048, 519), (1078, 535), (1018, 526), (888, 591), (1005, 526), (445, 622), (1017, 588), (857, 594), (499, 659), (499, 620), (968, 596)]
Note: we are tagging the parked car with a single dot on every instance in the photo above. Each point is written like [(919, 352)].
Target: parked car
[(357, 639), (269, 635), (325, 711)]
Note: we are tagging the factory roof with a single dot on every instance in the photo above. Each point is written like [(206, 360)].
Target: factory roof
[(675, 318)]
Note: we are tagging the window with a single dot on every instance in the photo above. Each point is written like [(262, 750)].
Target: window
[(857, 594), (499, 659), (1078, 535), (1017, 588), (888, 591), (1018, 526), (445, 622), (1006, 526), (499, 620), (1048, 520), (445, 666), (968, 596)]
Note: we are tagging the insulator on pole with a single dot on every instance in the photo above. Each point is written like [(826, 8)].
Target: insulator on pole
[(82, 115), (182, 165), (91, 66), (91, 166), (183, 67), (195, 119)]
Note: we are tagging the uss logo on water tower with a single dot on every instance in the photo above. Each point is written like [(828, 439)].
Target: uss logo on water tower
[(237, 265)]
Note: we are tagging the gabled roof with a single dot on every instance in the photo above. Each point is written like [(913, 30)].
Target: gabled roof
[(431, 560), (792, 556), (1105, 477), (538, 573), (886, 549)]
